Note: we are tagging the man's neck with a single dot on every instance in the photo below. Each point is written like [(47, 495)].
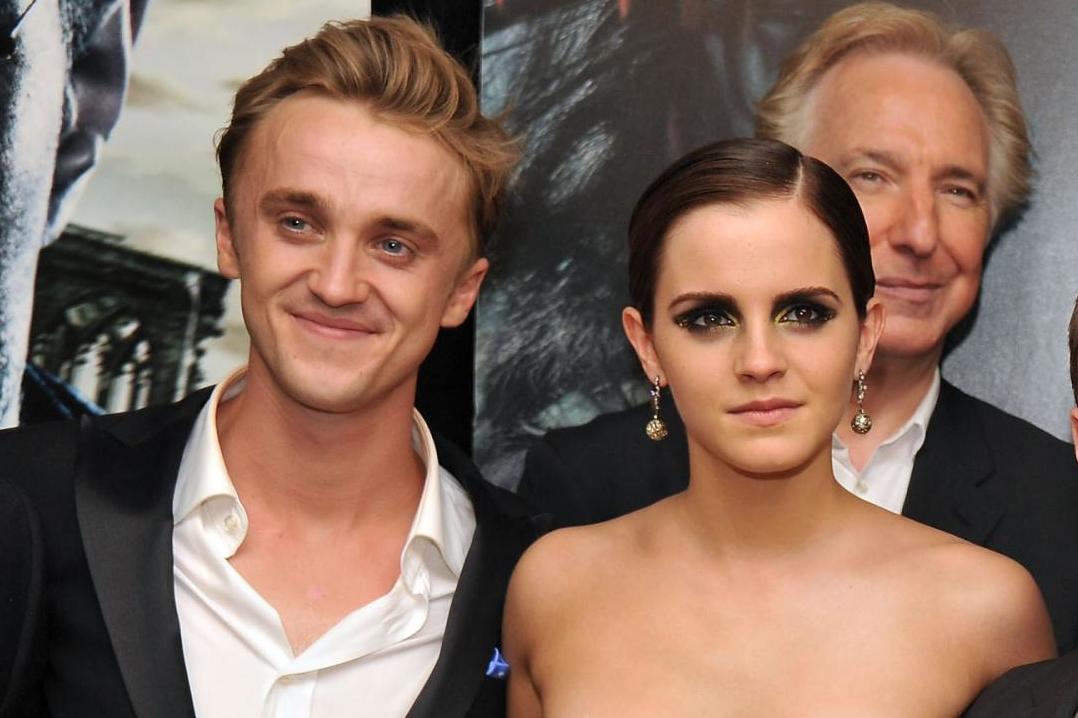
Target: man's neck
[(896, 387), (311, 467)]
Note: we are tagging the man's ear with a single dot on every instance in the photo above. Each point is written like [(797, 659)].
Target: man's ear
[(871, 329), (227, 260), (464, 295), (1074, 430), (640, 337)]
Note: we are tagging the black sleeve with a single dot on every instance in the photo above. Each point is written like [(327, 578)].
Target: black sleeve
[(21, 605), (549, 484)]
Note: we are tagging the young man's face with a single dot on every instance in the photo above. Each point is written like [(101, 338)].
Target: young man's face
[(352, 242)]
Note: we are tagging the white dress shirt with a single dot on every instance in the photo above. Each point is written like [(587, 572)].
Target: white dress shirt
[(885, 479), (372, 663)]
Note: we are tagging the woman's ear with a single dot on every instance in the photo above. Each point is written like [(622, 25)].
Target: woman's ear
[(871, 329), (640, 337)]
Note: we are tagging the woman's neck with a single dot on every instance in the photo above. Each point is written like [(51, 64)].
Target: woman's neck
[(736, 515)]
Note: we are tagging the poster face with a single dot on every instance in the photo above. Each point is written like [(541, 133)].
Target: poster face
[(605, 94)]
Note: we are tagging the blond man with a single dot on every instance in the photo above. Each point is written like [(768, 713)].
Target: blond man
[(295, 542)]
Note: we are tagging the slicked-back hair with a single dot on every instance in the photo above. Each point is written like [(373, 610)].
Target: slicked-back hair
[(742, 172), (397, 68), (977, 55)]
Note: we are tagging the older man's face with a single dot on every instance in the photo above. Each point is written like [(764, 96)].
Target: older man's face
[(910, 138)]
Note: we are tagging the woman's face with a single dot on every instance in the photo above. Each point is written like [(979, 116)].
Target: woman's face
[(756, 332)]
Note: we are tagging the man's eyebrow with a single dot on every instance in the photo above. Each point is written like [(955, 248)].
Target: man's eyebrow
[(292, 197), (881, 157), (957, 172), (408, 226)]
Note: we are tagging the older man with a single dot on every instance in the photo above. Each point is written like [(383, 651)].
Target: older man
[(296, 542), (925, 124)]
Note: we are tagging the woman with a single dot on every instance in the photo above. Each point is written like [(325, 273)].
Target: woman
[(765, 588)]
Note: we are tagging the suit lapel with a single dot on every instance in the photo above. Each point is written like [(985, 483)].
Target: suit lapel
[(123, 495), (951, 486), (473, 628)]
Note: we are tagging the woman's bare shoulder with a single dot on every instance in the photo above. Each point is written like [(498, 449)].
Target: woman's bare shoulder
[(982, 598)]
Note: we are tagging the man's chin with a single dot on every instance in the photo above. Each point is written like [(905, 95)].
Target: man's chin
[(910, 340), (328, 397)]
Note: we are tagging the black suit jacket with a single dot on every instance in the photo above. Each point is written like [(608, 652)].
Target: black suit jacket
[(104, 488), (22, 570), (1048, 689), (982, 474)]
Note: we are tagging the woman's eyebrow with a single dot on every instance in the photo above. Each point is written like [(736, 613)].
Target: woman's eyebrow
[(805, 293), (718, 299)]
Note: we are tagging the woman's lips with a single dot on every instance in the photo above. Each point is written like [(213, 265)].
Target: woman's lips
[(765, 412)]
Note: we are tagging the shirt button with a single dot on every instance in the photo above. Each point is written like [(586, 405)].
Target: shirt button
[(231, 522), (860, 487)]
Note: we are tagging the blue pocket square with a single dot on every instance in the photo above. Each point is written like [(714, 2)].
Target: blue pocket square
[(497, 668)]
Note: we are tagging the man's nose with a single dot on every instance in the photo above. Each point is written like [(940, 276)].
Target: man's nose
[(338, 276), (758, 354), (916, 229)]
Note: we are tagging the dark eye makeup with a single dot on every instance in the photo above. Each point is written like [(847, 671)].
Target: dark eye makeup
[(801, 309)]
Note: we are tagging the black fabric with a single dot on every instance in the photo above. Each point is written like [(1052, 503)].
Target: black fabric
[(982, 474), (21, 609), (103, 488), (1048, 689)]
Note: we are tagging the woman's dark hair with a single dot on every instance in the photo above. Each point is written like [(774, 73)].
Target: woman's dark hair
[(741, 172)]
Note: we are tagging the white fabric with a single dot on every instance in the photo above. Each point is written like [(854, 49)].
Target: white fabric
[(885, 479), (373, 662)]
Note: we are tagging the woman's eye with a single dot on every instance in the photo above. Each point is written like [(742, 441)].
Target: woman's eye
[(699, 320), (806, 315)]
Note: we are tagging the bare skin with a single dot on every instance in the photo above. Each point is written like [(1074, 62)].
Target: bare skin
[(320, 493), (764, 588), (862, 614)]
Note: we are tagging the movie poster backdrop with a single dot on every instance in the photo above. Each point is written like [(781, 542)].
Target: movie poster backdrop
[(606, 93), (107, 190)]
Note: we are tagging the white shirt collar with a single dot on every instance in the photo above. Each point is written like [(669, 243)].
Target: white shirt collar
[(203, 480)]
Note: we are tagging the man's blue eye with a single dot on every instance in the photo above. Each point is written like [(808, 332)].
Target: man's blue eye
[(394, 246), (294, 223)]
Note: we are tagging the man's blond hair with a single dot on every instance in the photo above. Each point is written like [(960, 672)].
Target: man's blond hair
[(978, 57), (397, 68)]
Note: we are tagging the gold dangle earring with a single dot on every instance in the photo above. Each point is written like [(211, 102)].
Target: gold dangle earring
[(656, 428), (861, 422)]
